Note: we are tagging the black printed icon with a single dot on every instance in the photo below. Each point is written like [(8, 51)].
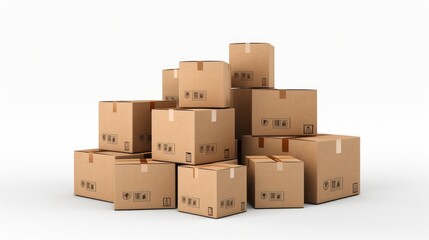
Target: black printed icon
[(236, 75), (210, 211), (184, 200), (355, 188), (159, 146), (188, 157), (202, 149), (265, 122), (243, 206), (104, 137), (308, 128), (226, 153), (264, 195), (166, 202), (127, 146), (82, 184), (187, 94), (222, 204), (126, 195), (325, 185), (264, 82)]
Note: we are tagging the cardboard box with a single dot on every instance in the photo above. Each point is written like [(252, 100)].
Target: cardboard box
[(252, 65), (275, 182), (170, 85), (213, 190), (144, 184), (193, 136), (273, 112), (204, 84), (257, 146), (331, 166), (94, 171), (125, 126)]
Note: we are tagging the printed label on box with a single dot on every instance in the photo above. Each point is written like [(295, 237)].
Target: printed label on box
[(166, 148), (272, 196), (171, 98), (88, 185), (308, 128), (191, 201), (196, 95), (136, 196), (243, 76), (333, 184), (210, 148), (277, 123), (110, 138), (227, 203), (166, 202)]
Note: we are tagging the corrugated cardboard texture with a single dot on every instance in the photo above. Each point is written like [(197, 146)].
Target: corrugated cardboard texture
[(275, 182), (144, 184), (330, 173), (125, 126), (258, 146), (273, 112), (94, 172), (170, 84), (193, 136), (252, 65), (214, 190), (204, 84)]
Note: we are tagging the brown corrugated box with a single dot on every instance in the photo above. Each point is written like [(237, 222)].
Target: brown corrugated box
[(125, 126), (170, 84), (213, 190), (252, 65), (274, 112), (275, 182), (144, 184), (94, 171), (257, 146), (204, 84), (193, 136), (331, 166)]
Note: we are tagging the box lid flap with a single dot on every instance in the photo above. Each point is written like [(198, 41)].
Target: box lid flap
[(324, 138), (273, 159)]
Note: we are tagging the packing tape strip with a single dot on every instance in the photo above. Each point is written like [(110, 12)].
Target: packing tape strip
[(200, 66), (338, 146), (171, 115), (151, 106), (285, 145), (261, 142), (195, 172), (175, 73), (214, 115), (247, 47), (279, 166), (114, 107), (90, 157), (232, 173), (282, 94), (144, 165)]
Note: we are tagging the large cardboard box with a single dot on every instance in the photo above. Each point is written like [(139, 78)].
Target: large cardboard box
[(257, 146), (144, 184), (252, 65), (275, 182), (274, 112), (214, 190), (193, 136), (331, 166), (125, 126), (170, 84), (94, 171), (204, 84)]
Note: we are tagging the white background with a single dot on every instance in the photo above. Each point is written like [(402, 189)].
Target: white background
[(367, 59)]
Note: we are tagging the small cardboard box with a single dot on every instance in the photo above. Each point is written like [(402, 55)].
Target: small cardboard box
[(94, 172), (213, 190), (275, 182), (144, 184), (331, 166), (125, 126), (257, 146), (273, 112), (204, 84), (170, 85), (252, 65), (193, 136)]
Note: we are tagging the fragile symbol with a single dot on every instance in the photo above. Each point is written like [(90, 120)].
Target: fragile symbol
[(325, 185), (264, 195), (187, 94), (308, 128), (265, 122), (126, 195), (166, 202), (82, 184)]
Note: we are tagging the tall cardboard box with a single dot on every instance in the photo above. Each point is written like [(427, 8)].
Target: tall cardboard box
[(252, 65), (94, 171), (274, 112), (257, 146), (275, 182), (125, 126), (193, 136), (144, 184), (170, 85), (331, 166), (213, 190), (204, 84)]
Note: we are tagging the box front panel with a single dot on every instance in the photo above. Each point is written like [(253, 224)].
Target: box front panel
[(284, 112), (232, 191), (145, 187)]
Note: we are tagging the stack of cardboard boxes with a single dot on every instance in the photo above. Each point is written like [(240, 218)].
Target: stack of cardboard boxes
[(182, 151)]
